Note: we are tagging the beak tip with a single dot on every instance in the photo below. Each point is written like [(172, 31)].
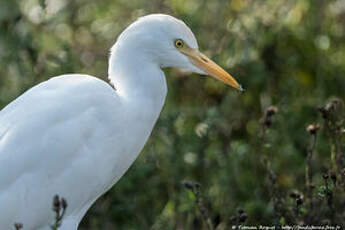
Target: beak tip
[(241, 89)]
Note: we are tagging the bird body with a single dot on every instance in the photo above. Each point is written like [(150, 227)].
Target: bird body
[(75, 136), (50, 142)]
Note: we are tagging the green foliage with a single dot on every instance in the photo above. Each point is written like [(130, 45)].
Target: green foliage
[(290, 54)]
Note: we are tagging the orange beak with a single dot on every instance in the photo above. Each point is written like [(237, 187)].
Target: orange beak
[(211, 68)]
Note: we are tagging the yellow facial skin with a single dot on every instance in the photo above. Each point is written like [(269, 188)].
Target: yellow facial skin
[(206, 64)]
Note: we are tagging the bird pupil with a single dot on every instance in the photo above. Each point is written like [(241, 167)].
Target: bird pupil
[(179, 43)]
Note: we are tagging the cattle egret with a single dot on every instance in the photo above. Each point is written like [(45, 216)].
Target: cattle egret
[(75, 135)]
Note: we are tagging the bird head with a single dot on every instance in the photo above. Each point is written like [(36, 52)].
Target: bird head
[(169, 42)]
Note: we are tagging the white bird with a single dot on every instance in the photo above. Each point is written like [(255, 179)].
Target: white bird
[(75, 135)]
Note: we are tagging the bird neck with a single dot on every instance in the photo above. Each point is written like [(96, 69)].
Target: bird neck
[(135, 76)]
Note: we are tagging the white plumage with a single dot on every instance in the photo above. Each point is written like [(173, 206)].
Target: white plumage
[(75, 136)]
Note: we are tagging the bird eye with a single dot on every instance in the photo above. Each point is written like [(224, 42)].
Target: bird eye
[(179, 43)]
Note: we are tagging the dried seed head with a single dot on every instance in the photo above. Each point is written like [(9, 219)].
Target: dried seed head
[(299, 201), (272, 110), (293, 195), (243, 217), (333, 109), (240, 211), (325, 176), (267, 118), (197, 185), (324, 112), (18, 226), (191, 185), (188, 185), (334, 104), (64, 203), (313, 128), (56, 203)]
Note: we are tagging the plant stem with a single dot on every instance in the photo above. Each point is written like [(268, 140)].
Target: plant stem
[(308, 169)]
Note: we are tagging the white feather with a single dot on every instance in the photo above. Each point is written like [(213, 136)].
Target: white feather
[(75, 136)]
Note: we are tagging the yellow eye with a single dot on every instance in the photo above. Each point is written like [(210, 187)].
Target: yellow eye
[(179, 43)]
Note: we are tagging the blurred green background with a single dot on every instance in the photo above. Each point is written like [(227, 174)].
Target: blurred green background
[(290, 54)]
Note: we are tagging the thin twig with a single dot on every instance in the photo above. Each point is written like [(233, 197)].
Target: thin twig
[(59, 207), (312, 130), (195, 188)]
